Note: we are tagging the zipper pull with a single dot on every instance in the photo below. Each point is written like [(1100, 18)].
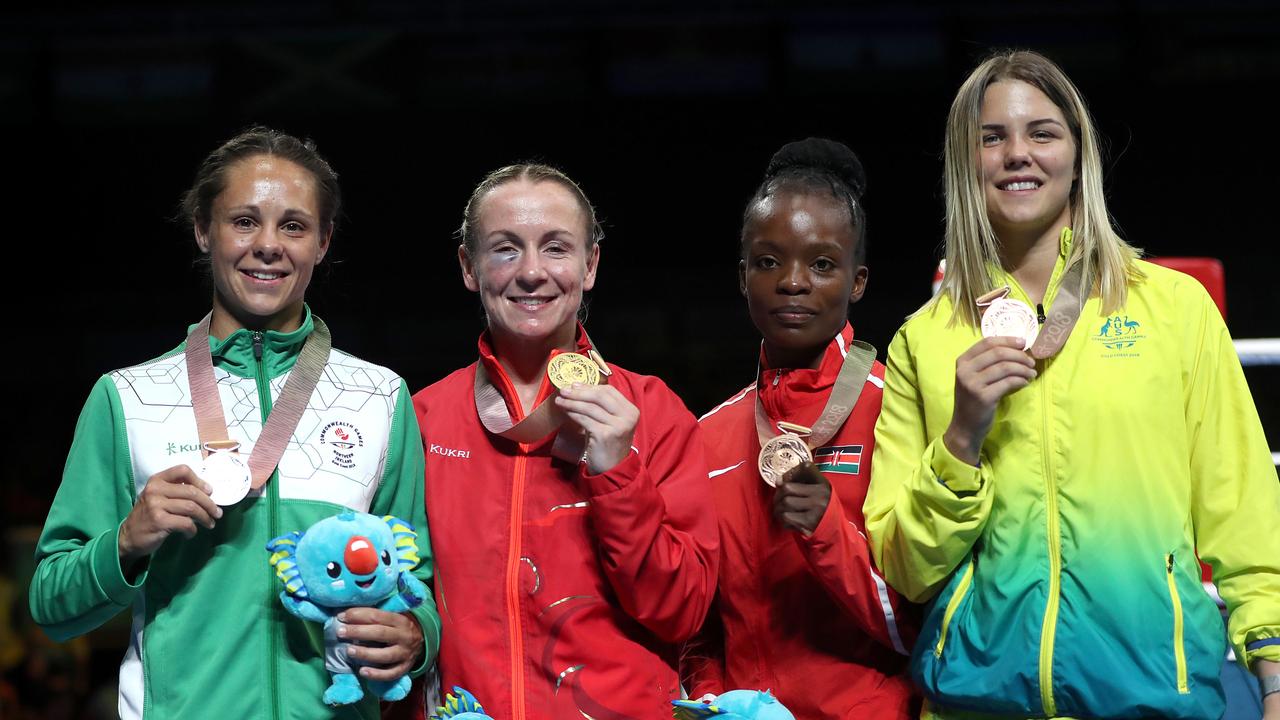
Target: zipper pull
[(1040, 313), (257, 346), (1169, 563), (777, 375)]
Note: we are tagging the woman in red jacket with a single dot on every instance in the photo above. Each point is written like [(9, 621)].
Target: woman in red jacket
[(800, 609), (573, 538)]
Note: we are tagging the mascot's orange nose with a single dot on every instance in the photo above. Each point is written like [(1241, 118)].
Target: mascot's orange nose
[(360, 557)]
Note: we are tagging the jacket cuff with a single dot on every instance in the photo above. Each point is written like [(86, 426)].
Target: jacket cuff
[(1261, 647), (828, 531), (429, 623), (956, 475), (613, 479), (107, 572)]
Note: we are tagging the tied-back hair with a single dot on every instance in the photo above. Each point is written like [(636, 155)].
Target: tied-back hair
[(816, 165), (211, 177), (468, 232), (971, 245)]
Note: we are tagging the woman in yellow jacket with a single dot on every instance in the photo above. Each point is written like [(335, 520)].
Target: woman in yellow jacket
[(1064, 427)]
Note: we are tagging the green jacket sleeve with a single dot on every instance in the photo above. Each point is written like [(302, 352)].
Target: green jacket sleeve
[(78, 583), (401, 494), (1236, 497), (924, 508)]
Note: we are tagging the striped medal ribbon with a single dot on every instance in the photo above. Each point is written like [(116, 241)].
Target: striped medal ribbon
[(563, 369), (230, 473), (794, 444)]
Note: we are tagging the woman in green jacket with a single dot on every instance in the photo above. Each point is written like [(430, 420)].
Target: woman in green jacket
[(1064, 428), (136, 523)]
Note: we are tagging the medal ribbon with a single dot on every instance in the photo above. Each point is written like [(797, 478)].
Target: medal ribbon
[(543, 420), (1062, 317), (844, 396), (286, 412)]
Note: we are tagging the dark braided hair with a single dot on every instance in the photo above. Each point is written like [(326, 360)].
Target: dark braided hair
[(817, 165)]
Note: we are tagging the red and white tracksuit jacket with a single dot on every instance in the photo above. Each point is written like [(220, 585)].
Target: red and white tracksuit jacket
[(564, 594), (808, 617)]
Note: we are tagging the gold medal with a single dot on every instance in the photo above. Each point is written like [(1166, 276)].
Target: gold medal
[(1006, 317), (779, 455), (568, 368)]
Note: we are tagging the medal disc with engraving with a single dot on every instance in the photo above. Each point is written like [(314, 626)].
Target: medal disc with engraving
[(229, 475), (781, 454), (1011, 318), (566, 369)]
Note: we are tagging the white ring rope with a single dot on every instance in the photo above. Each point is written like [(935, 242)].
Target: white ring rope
[(1259, 351)]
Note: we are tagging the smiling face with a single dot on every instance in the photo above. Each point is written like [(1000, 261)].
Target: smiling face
[(1028, 160), (799, 274), (264, 238), (531, 263)]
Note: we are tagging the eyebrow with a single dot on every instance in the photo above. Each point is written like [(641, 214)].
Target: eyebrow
[(827, 247), (544, 237), (288, 212), (1033, 123)]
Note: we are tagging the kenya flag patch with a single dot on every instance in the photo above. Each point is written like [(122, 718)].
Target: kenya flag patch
[(839, 458)]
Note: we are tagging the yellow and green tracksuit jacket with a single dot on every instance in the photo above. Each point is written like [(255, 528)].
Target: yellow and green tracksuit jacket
[(1061, 572)]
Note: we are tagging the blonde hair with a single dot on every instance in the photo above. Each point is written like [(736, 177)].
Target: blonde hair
[(971, 244)]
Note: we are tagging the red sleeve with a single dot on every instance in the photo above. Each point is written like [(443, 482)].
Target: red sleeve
[(655, 520), (839, 556), (702, 660)]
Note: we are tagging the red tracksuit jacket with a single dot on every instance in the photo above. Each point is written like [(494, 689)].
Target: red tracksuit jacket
[(564, 594), (808, 617)]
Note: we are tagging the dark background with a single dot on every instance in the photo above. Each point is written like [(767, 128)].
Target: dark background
[(665, 112)]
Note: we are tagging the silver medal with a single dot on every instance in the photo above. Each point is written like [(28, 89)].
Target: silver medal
[(229, 475)]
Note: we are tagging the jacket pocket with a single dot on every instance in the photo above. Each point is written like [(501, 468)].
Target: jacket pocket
[(962, 589), (1179, 650)]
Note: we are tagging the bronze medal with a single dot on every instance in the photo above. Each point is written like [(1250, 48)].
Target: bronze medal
[(779, 455), (1006, 317)]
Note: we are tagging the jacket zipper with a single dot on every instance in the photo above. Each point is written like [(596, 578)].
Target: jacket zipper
[(513, 585), (1049, 627), (953, 605), (1179, 652), (273, 497)]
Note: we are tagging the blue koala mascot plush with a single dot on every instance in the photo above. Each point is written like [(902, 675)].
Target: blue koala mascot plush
[(733, 705), (350, 560)]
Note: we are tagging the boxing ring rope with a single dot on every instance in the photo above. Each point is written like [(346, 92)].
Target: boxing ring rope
[(1259, 351)]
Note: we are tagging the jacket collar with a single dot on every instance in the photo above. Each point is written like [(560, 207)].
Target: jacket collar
[(234, 353), (799, 394), (498, 374)]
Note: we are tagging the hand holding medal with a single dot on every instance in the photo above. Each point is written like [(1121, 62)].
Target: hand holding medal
[(802, 498), (175, 500), (607, 418), (994, 367)]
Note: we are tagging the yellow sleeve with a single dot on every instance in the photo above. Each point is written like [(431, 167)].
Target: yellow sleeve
[(1235, 493), (924, 508)]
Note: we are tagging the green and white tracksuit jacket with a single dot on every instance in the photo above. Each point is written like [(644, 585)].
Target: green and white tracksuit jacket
[(210, 637), (1062, 572)]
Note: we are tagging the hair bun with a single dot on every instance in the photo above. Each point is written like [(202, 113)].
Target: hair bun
[(823, 155)]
